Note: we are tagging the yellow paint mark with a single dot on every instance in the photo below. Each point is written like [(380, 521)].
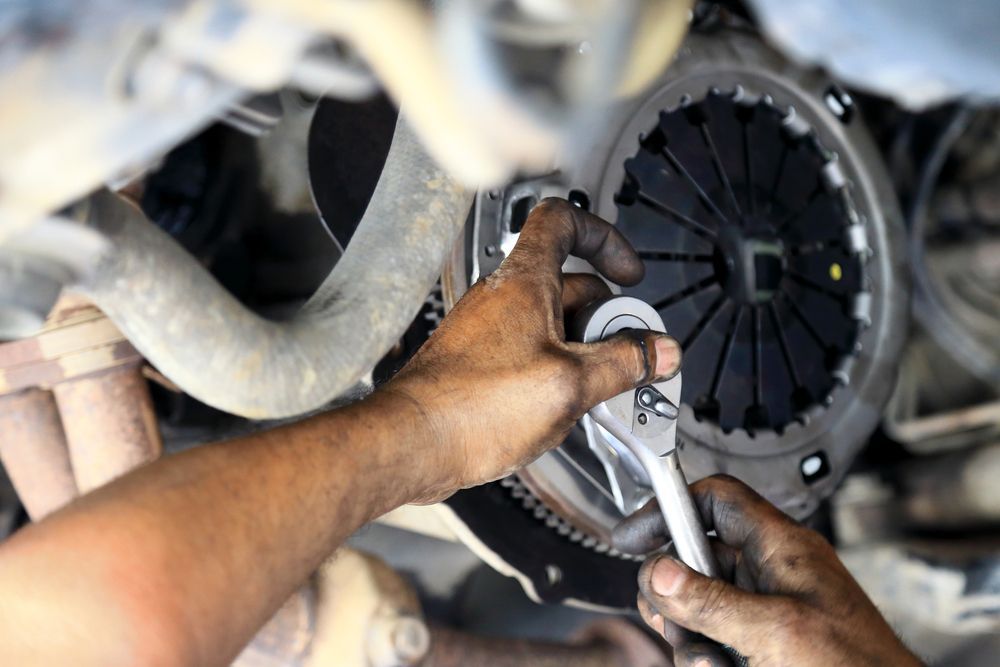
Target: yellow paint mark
[(836, 273)]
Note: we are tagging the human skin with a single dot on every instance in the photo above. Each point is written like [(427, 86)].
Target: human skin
[(181, 561), (784, 597)]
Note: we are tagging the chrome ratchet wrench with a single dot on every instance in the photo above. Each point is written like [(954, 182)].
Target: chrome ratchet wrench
[(641, 427), (642, 424)]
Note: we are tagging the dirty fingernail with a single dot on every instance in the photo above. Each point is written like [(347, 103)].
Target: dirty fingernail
[(668, 356), (667, 576)]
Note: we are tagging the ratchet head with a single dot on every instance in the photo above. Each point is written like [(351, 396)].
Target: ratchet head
[(650, 411)]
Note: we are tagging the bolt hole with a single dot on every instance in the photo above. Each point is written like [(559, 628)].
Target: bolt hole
[(579, 198), (519, 211), (814, 467), (490, 250), (840, 103)]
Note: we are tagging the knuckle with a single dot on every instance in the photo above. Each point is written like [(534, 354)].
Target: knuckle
[(728, 488), (800, 546), (725, 481), (551, 205), (564, 372), (553, 211), (712, 606), (635, 358), (792, 621), (782, 535), (632, 354), (816, 543)]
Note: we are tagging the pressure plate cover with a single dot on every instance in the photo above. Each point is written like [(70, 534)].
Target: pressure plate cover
[(773, 248)]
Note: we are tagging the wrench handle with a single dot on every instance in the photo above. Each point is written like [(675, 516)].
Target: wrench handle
[(672, 494), (682, 517)]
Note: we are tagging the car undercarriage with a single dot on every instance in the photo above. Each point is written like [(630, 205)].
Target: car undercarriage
[(217, 216)]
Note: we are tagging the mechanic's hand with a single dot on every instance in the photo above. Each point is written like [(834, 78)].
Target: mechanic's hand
[(498, 381), (792, 601)]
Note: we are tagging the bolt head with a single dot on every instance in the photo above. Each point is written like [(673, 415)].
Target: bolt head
[(411, 640)]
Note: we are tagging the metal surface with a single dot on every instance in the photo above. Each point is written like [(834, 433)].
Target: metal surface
[(109, 423), (77, 340), (843, 378), (75, 410), (33, 452), (569, 482), (287, 638), (952, 494), (642, 442), (34, 265), (626, 471), (940, 405), (455, 649), (548, 512), (355, 611), (670, 487), (758, 255)]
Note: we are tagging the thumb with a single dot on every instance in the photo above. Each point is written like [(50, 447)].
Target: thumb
[(711, 607), (626, 360)]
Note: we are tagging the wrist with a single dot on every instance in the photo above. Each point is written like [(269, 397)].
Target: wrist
[(418, 442)]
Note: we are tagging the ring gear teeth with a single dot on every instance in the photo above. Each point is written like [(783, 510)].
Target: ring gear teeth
[(532, 504)]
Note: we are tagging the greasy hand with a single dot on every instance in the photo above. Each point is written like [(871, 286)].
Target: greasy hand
[(498, 381), (792, 602)]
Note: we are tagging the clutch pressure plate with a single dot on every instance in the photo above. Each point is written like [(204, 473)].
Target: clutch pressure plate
[(772, 243)]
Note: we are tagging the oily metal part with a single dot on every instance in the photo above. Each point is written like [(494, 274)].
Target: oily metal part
[(531, 503), (450, 648), (741, 66), (75, 408), (33, 452), (760, 265), (109, 423)]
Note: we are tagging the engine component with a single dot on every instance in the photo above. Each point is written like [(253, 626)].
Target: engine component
[(918, 53), (938, 405), (773, 247), (76, 408), (953, 255), (206, 342), (490, 87), (947, 396), (630, 480), (635, 436), (33, 452)]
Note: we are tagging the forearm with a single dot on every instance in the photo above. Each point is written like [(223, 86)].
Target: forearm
[(179, 563), (210, 542)]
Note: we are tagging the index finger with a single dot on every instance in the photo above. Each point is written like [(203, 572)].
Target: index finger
[(738, 514), (556, 229)]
